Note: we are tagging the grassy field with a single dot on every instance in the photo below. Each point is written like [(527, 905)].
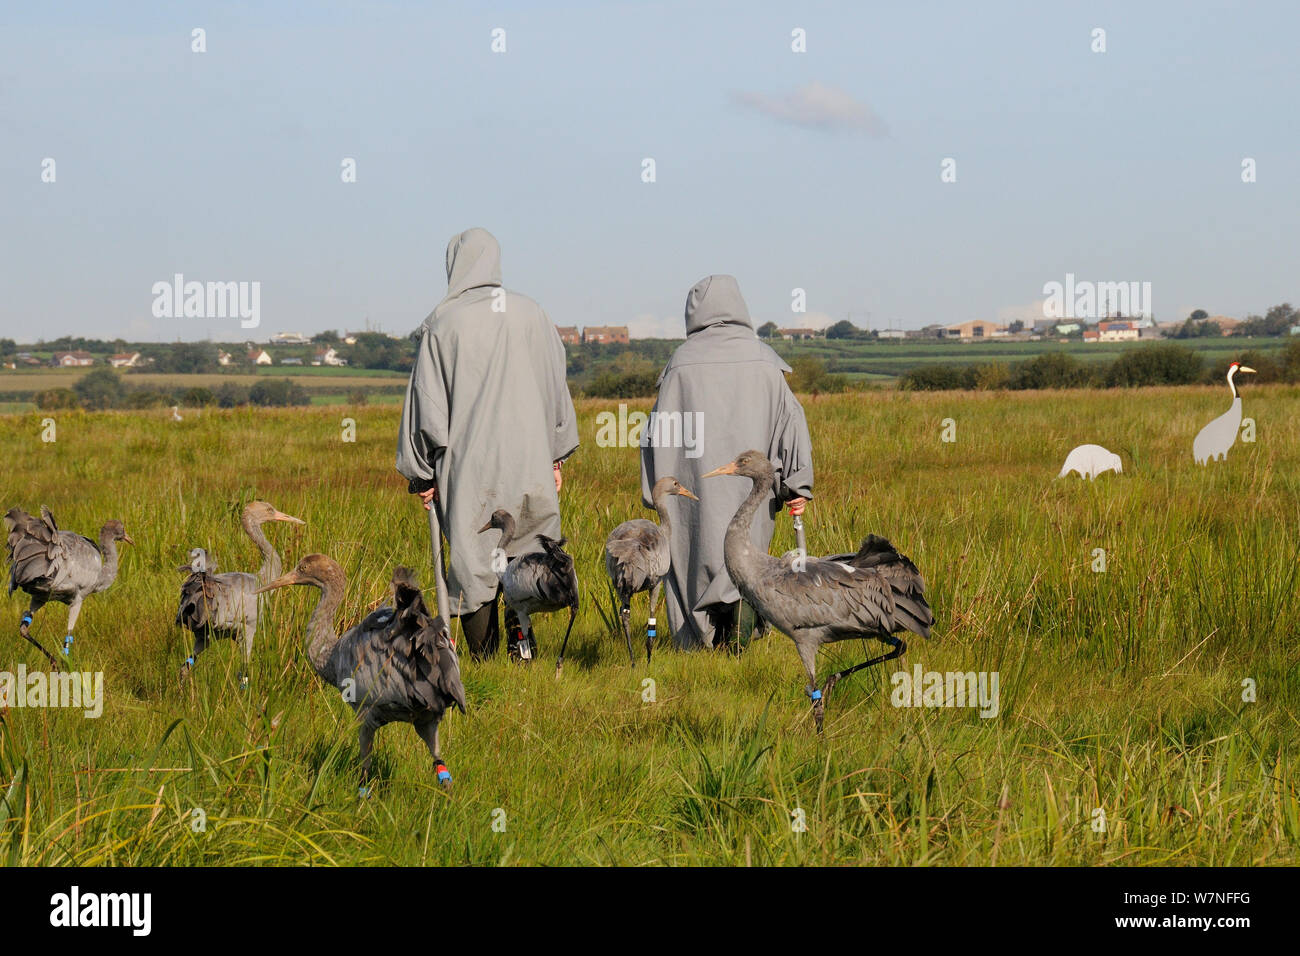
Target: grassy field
[(1120, 691)]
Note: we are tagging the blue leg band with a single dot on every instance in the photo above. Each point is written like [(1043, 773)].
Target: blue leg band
[(816, 695), (27, 617), (189, 661)]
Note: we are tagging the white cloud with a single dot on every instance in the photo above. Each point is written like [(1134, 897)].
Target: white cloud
[(816, 106)]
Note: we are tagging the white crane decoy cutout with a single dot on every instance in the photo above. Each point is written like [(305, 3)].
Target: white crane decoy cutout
[(1090, 461), (1214, 440)]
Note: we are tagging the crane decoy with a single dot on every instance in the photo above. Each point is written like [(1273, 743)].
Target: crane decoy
[(176, 413), (637, 558), (397, 665), (54, 565), (876, 592), (535, 583), (225, 605), (1214, 440)]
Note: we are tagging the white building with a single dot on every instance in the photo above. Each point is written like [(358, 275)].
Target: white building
[(124, 360), (328, 356), (259, 357)]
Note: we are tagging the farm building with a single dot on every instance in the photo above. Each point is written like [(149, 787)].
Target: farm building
[(569, 334), (72, 359), (124, 360), (974, 329), (605, 335), (327, 355), (1115, 332), (259, 357), (794, 335)]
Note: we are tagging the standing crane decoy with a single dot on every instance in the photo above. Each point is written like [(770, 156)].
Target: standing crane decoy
[(637, 558), (534, 583), (54, 565), (176, 413), (1214, 440), (225, 605), (876, 592), (398, 664)]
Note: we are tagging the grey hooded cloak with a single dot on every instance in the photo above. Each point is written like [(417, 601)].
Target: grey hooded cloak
[(730, 391), (487, 411)]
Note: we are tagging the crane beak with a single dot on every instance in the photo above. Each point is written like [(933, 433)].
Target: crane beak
[(1245, 368), (283, 581), (727, 469), (281, 516), (127, 539), (486, 527), (687, 493), (187, 568)]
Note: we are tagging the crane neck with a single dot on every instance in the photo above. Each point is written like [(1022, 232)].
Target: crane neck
[(507, 527), (1232, 386), (107, 571), (271, 565), (321, 636), (738, 546), (661, 509)]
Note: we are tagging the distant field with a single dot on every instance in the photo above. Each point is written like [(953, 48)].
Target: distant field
[(38, 379)]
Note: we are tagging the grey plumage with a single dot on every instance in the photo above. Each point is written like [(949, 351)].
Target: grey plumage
[(537, 582), (875, 592), (637, 557), (397, 665), (53, 565), (226, 605)]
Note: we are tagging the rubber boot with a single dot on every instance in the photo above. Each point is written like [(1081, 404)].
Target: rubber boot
[(482, 630)]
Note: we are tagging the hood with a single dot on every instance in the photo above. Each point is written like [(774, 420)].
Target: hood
[(473, 260), (716, 301)]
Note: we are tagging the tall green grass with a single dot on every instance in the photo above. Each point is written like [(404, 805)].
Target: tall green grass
[(1120, 691)]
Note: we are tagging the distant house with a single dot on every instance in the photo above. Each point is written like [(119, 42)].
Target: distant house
[(290, 361), (124, 360), (605, 335), (1227, 325), (223, 357), (72, 359), (350, 338), (797, 335), (1067, 328), (1091, 335), (891, 334), (26, 358), (290, 338), (975, 329), (1115, 332), (929, 332), (327, 355), (569, 334), (259, 357)]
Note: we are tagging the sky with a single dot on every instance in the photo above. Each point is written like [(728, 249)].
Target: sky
[(818, 170)]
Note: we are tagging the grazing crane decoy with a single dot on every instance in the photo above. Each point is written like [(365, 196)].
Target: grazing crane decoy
[(54, 565), (225, 605), (535, 583), (637, 558), (1214, 440), (398, 664), (876, 592), (176, 413)]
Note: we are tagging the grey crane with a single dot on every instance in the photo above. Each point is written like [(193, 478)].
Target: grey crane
[(1214, 440), (54, 565), (876, 592), (637, 558), (225, 605), (535, 583), (397, 665)]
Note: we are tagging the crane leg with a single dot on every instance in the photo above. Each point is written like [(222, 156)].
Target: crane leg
[(559, 661), (625, 615), (24, 625), (819, 702), (365, 741), (250, 631), (74, 611), (200, 644), (651, 631), (428, 732)]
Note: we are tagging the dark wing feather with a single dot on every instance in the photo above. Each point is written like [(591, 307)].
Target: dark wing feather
[(198, 597), (559, 585), (36, 554), (630, 553)]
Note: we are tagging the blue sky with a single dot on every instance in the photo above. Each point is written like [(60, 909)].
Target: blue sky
[(818, 170)]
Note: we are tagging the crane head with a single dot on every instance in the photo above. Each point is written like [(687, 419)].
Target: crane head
[(317, 570), (668, 485), (116, 531), (748, 464), (260, 511)]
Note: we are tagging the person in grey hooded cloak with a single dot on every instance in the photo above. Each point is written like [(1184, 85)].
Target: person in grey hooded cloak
[(486, 422), (722, 392)]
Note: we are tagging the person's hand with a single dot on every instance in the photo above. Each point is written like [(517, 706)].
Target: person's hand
[(796, 506), (559, 476), (429, 497)]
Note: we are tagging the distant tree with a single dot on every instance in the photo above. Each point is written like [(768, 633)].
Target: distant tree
[(279, 393), (1200, 315), (767, 330), (1016, 326), (1276, 321), (1163, 364), (328, 337), (198, 397), (55, 399), (7, 347), (100, 388), (843, 329), (229, 395), (376, 350)]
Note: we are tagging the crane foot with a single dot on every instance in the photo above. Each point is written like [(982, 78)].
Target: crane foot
[(819, 709), (24, 631), (444, 775)]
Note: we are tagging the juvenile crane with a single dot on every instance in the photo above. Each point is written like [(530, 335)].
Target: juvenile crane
[(225, 605), (54, 565), (876, 592), (1214, 440), (397, 665), (637, 558), (535, 583)]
